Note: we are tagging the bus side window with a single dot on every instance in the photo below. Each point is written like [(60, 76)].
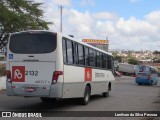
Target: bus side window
[(81, 59), (86, 56), (94, 58), (100, 59), (104, 61), (70, 53), (64, 51), (97, 59), (75, 53), (91, 60), (112, 67), (109, 62)]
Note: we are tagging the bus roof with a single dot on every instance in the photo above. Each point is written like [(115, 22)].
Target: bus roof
[(87, 45), (67, 36)]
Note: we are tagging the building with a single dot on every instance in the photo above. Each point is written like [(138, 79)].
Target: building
[(101, 44), (3, 50)]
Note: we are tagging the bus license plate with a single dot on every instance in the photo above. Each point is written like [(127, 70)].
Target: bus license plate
[(30, 89)]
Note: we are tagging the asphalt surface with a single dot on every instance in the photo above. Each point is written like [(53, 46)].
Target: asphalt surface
[(125, 96)]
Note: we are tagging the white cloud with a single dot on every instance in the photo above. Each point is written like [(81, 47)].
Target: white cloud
[(125, 34), (153, 18), (80, 23), (62, 2), (134, 27), (105, 16), (105, 28), (131, 33)]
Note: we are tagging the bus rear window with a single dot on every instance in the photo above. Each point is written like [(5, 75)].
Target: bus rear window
[(33, 43)]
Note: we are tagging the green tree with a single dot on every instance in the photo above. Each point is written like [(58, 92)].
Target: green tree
[(156, 52), (114, 53), (19, 15), (133, 61), (118, 58)]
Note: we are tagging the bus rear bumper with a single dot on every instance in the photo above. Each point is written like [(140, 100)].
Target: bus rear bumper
[(54, 91)]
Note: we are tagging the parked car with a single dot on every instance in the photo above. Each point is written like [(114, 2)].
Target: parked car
[(146, 75)]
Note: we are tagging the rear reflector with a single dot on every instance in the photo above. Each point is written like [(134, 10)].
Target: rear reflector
[(56, 74)]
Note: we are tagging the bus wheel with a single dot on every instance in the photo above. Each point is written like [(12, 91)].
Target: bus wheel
[(156, 83), (48, 100), (151, 82), (86, 98), (106, 94)]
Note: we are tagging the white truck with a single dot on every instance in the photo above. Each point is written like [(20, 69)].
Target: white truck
[(126, 69)]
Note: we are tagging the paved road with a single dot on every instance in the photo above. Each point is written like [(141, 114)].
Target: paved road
[(126, 96)]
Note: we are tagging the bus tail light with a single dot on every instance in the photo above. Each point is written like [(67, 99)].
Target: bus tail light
[(149, 77), (8, 74), (56, 74)]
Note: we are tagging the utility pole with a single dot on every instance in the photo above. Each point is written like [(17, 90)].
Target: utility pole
[(107, 45), (61, 9)]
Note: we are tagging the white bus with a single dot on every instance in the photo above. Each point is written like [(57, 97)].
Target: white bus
[(51, 65)]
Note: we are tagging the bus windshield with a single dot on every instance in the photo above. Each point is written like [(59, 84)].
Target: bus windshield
[(142, 69), (33, 43)]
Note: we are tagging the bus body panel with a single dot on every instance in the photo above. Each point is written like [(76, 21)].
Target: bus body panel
[(101, 79), (31, 78), (56, 90), (48, 57), (75, 82), (59, 55)]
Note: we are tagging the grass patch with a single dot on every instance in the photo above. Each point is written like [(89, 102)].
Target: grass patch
[(2, 91), (2, 69)]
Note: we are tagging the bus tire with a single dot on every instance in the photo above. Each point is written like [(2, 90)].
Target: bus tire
[(156, 83), (48, 100), (139, 83), (151, 82), (86, 98), (106, 94)]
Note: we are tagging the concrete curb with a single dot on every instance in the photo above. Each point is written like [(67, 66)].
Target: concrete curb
[(3, 83)]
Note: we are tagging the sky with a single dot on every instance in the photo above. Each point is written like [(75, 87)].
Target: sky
[(128, 24)]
